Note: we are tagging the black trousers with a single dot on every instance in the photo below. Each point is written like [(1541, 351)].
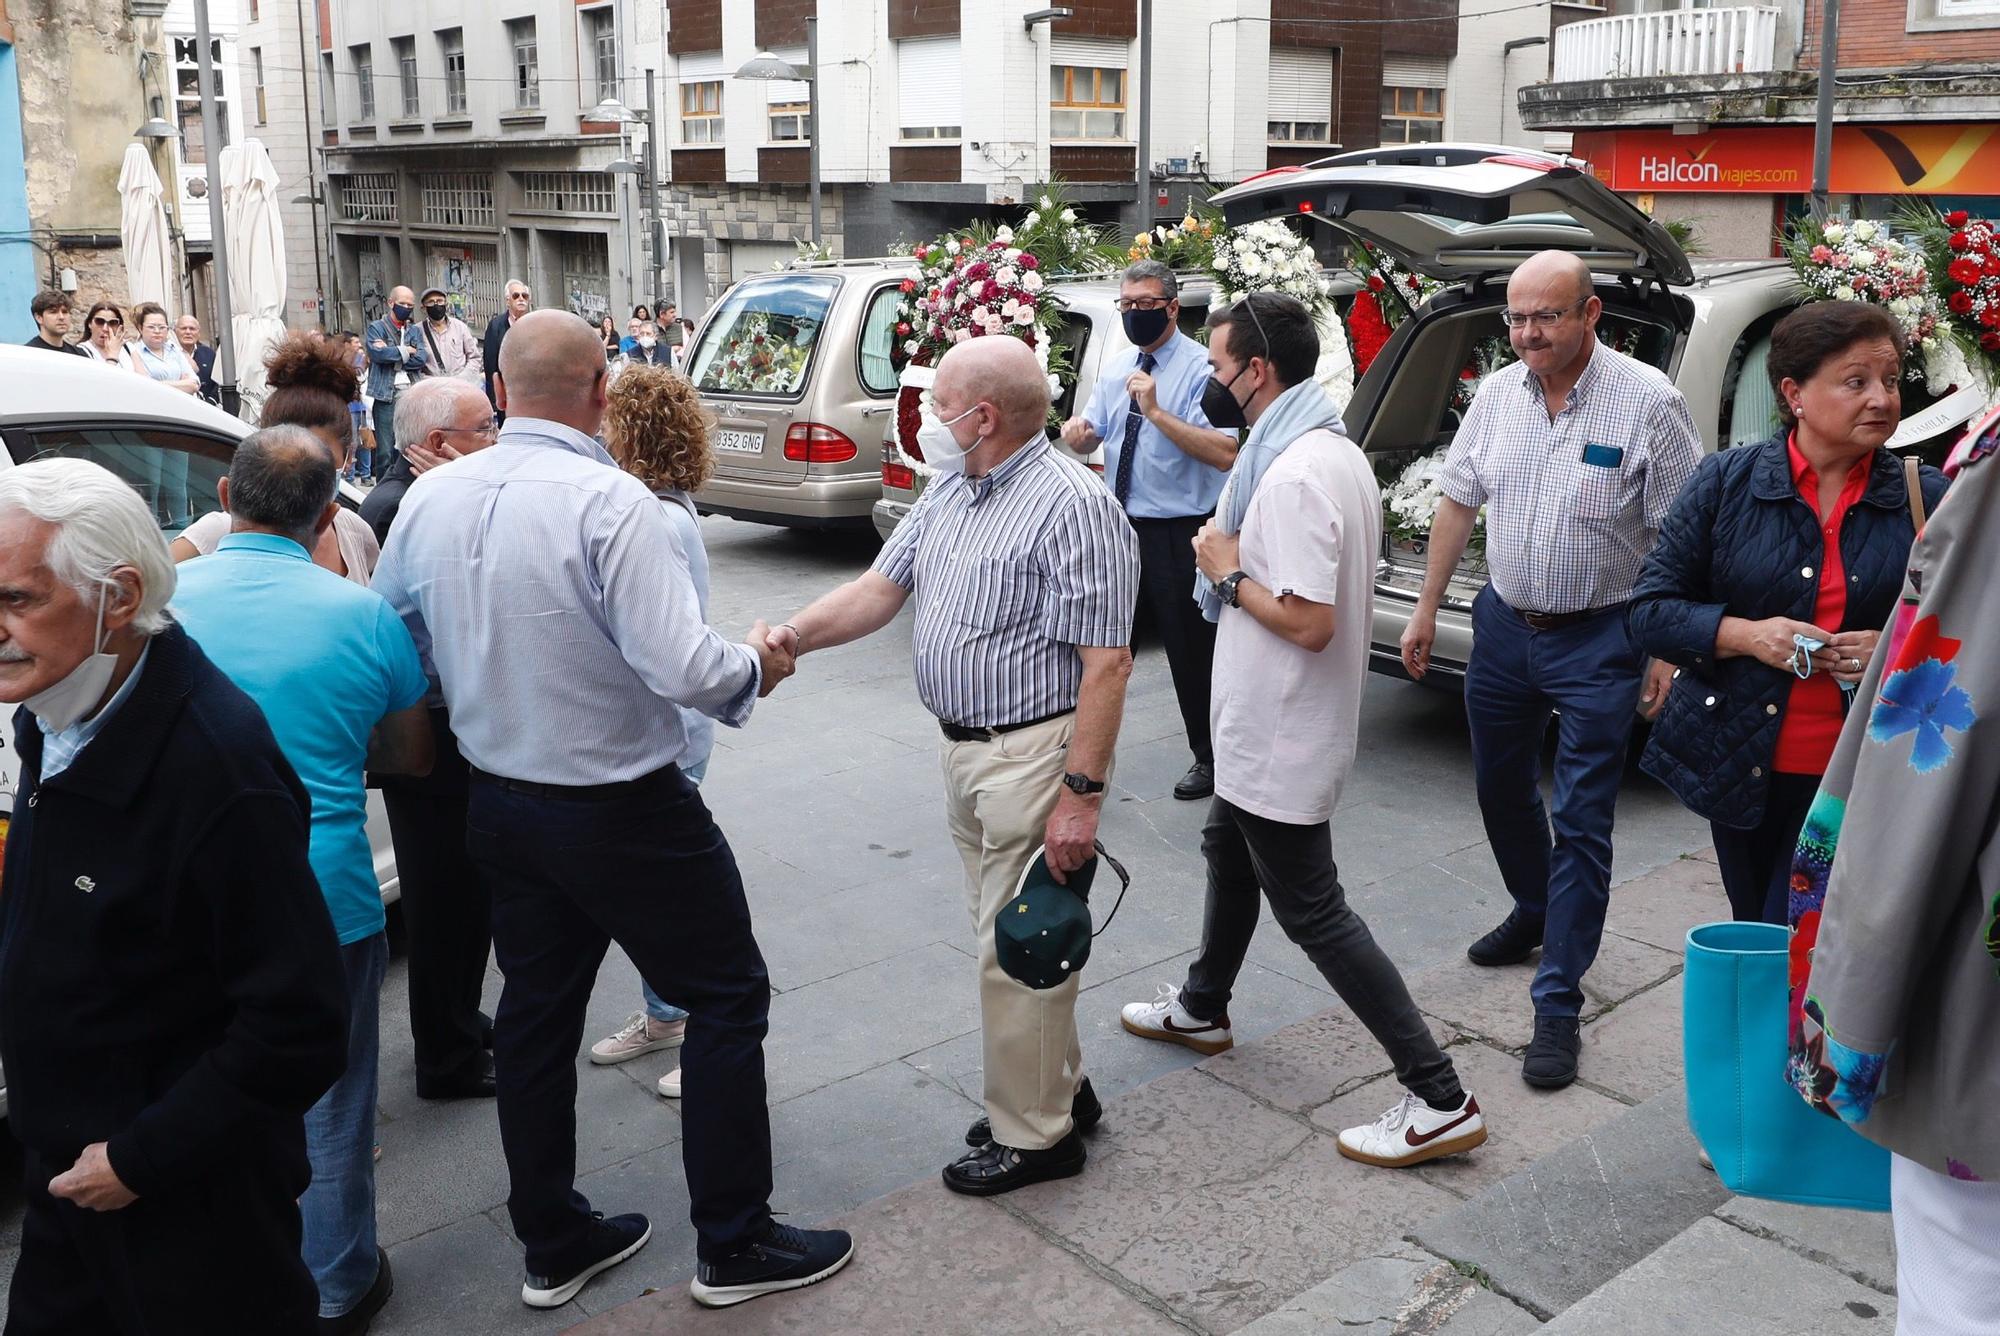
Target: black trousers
[(648, 869), (447, 912), (1294, 866), (1756, 864), (1166, 603), (220, 1255)]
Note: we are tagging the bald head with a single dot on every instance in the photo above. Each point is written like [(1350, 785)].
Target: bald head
[(1001, 371), (281, 481), (552, 366), (1559, 276), (1554, 289)]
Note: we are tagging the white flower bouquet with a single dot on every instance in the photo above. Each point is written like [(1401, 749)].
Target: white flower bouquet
[(1861, 261)]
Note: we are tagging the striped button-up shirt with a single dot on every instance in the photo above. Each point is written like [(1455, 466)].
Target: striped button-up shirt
[(1012, 572), (550, 598), (1573, 504)]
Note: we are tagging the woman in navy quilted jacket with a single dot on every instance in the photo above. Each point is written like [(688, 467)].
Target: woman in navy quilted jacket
[(1802, 537)]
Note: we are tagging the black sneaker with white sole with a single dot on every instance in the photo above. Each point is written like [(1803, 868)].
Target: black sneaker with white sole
[(610, 1242), (781, 1258)]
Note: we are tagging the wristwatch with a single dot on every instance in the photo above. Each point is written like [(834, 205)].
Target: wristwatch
[(1228, 587), (1084, 784)]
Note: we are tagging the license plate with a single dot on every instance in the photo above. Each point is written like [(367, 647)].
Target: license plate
[(740, 442)]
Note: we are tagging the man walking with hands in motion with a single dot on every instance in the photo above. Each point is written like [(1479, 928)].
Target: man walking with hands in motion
[(1025, 572), (546, 587)]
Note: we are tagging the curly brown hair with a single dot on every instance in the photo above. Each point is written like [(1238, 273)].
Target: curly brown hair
[(657, 430), (311, 383)]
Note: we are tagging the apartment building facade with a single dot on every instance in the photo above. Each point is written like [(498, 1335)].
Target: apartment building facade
[(936, 111), (1706, 113)]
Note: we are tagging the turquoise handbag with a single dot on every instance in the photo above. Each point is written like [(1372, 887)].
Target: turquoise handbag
[(1766, 1141)]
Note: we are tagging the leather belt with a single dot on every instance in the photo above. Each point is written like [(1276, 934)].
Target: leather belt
[(1555, 621), (528, 788), (962, 733)]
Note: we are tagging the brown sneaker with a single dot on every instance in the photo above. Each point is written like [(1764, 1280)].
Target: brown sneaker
[(1164, 1018)]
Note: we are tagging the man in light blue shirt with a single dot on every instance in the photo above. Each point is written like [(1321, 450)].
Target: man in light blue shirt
[(338, 679), (1166, 462), (547, 589)]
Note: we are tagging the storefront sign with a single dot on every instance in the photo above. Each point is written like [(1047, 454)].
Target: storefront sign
[(1916, 159)]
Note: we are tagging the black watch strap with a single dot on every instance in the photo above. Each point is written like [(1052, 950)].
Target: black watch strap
[(1084, 784), (1229, 584)]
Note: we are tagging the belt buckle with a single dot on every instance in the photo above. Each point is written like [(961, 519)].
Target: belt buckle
[(1538, 621)]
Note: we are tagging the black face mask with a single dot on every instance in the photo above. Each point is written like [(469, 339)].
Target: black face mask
[(436, 312), (1219, 406), (1145, 327)]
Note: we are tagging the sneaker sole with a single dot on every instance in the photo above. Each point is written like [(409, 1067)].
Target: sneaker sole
[(613, 1059), (723, 1296), (1550, 1082), (1496, 962), (1211, 1047), (1435, 1151), (568, 1290)]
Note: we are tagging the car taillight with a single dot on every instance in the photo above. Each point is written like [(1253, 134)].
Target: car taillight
[(1532, 161), (899, 475), (816, 443)]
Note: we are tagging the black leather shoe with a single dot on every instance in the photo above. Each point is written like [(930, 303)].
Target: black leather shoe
[(475, 1084), (354, 1322), (1509, 944), (994, 1168), (1198, 782), (1550, 1062), (1084, 1113)]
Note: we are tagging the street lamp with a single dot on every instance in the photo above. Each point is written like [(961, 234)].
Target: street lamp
[(612, 111), (766, 67), (156, 126)]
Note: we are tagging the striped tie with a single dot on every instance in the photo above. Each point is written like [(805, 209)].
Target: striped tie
[(1134, 419)]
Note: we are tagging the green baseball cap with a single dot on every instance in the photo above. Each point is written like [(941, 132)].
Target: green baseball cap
[(1042, 935)]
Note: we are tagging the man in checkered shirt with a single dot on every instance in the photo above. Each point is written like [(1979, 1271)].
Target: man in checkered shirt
[(1576, 452)]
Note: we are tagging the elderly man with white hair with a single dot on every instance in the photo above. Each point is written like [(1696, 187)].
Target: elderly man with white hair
[(171, 998)]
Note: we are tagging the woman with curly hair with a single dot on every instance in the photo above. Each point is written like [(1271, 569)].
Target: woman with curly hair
[(657, 430), (311, 384)]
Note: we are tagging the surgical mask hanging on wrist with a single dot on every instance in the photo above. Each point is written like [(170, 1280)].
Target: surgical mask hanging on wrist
[(67, 701), (941, 449)]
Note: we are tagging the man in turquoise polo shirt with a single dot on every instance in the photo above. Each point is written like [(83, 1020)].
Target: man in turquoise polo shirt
[(338, 678)]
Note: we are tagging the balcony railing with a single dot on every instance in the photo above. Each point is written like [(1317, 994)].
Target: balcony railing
[(1738, 40)]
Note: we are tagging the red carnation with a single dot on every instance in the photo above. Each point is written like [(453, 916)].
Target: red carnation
[(1958, 241), (1956, 218), (1960, 302), (1990, 317), (1375, 282), (1029, 262), (990, 293), (1367, 331), (902, 329), (909, 285), (1990, 342), (1993, 264), (1964, 270)]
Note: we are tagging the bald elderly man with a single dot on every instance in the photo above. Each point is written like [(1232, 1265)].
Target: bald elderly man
[(546, 589), (396, 359), (1025, 572), (1576, 452)]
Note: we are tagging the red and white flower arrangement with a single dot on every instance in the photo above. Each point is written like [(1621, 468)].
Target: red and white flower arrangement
[(1964, 256), (1863, 261)]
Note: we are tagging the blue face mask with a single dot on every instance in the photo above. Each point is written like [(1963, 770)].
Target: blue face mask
[(403, 313)]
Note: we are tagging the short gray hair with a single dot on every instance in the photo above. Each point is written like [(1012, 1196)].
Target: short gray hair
[(1152, 271), (513, 283), (429, 404), (101, 524), (281, 479)]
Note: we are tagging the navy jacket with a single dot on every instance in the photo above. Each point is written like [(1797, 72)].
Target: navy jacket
[(169, 977), (489, 350), (1740, 542), (203, 358)]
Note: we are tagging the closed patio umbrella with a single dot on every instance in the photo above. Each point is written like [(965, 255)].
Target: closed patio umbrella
[(256, 246), (142, 227)]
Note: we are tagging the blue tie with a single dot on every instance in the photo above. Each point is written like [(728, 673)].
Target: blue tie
[(1134, 419)]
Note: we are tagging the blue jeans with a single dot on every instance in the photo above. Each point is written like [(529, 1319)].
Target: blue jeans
[(339, 1207), (665, 1012), (1589, 673)]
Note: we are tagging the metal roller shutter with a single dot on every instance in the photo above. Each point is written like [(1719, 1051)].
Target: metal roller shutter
[(1301, 84), (928, 78), (1405, 71), (785, 92), (1103, 53)]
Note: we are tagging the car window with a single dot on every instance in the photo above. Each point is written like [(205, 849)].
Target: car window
[(175, 472), (1073, 336), (878, 338), (761, 338), (1749, 404)]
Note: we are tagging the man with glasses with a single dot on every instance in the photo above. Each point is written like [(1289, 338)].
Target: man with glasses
[(1166, 463), (1576, 452), (519, 300)]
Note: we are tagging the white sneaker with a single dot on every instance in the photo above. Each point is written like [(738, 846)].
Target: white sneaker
[(1413, 1132), (641, 1035), (1164, 1018), (670, 1085)]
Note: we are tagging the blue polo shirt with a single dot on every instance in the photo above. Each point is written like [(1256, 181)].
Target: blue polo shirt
[(1167, 482), (325, 660)]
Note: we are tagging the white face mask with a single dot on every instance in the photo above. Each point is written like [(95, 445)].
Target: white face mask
[(647, 341), (67, 701), (941, 449)]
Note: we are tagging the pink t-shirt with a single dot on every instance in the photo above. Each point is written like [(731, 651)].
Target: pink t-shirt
[(1285, 718)]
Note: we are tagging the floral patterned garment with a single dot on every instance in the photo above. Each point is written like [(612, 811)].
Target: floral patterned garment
[(1895, 964)]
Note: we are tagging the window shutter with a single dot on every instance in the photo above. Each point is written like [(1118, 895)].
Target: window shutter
[(928, 81), (1103, 53), (1404, 71), (1301, 84), (783, 92), (701, 67)]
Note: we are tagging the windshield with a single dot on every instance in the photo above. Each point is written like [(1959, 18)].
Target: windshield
[(760, 339)]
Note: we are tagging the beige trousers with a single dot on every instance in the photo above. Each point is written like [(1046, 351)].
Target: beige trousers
[(998, 796)]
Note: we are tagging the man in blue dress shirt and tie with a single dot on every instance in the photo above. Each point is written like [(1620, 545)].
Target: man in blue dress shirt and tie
[(1166, 463)]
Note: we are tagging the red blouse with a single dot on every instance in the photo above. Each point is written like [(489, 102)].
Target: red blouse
[(1813, 716)]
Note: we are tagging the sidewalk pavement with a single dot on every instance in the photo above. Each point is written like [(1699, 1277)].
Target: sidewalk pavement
[(1215, 1200)]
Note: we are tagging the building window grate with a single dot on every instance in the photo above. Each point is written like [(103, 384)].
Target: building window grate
[(457, 199), (367, 197), (567, 192)]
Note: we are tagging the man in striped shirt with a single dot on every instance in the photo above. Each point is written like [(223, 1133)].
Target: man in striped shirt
[(1025, 573), (1576, 452)]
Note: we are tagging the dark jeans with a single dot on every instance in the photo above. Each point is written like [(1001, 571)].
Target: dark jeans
[(447, 912), (220, 1254), (385, 435), (1294, 866), (648, 869), (1590, 674), (1166, 602), (1757, 863)]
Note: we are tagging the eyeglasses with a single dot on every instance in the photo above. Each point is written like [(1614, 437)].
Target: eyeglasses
[(1538, 319), (102, 323), (484, 428), (1143, 303)]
